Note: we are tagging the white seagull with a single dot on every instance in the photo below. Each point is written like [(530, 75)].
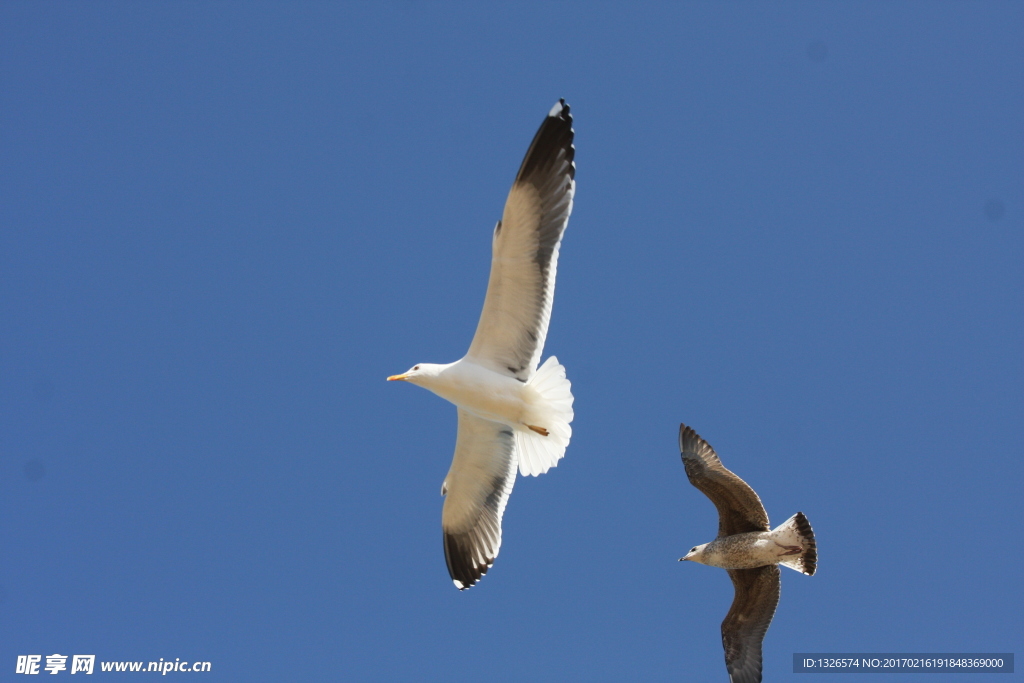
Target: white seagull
[(749, 549), (510, 411)]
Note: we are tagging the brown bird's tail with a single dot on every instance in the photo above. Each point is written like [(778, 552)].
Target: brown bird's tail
[(797, 530)]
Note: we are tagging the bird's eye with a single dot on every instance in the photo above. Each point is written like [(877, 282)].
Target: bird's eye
[(416, 368), (693, 549)]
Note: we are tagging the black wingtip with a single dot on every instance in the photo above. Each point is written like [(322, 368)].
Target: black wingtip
[(560, 111), (463, 571), (551, 148)]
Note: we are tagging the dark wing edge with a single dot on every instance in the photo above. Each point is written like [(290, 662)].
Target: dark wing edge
[(551, 149), (514, 324), (550, 166), (739, 508), (476, 491), (744, 627), (470, 554)]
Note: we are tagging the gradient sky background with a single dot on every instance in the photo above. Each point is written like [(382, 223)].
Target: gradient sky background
[(798, 228)]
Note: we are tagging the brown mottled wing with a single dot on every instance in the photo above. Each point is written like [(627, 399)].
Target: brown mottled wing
[(739, 508), (510, 336), (757, 596)]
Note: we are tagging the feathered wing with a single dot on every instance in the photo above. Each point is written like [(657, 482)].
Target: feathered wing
[(476, 490), (739, 508), (757, 596), (510, 335)]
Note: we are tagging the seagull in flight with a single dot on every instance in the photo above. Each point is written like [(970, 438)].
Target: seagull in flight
[(512, 413), (749, 549)]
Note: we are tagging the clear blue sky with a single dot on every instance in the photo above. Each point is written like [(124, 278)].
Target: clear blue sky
[(797, 228)]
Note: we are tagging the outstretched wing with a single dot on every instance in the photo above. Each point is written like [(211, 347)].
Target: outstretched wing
[(510, 335), (476, 490), (739, 508), (757, 596)]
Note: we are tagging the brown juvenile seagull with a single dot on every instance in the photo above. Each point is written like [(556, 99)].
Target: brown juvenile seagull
[(749, 549)]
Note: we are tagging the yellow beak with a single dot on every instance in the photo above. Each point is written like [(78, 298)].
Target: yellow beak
[(392, 378)]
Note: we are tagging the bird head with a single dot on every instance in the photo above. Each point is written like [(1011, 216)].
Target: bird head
[(420, 374), (696, 554)]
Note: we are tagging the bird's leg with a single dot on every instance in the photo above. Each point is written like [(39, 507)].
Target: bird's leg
[(539, 430), (790, 549)]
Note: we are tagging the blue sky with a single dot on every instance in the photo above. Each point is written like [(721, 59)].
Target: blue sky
[(797, 228)]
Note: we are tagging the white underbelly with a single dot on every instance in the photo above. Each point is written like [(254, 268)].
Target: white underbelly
[(487, 394)]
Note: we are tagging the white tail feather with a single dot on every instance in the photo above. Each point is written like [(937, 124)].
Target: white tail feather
[(538, 453), (797, 531)]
